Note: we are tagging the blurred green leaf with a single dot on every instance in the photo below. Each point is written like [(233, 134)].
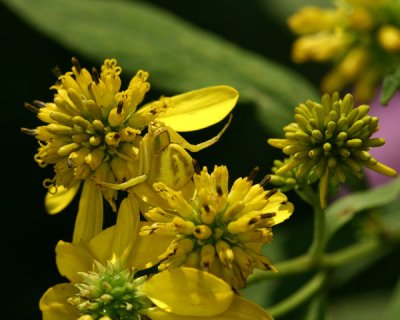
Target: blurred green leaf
[(393, 309), (390, 85), (348, 271), (360, 306), (178, 55), (343, 210)]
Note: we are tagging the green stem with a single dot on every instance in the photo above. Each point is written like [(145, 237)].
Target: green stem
[(300, 296), (332, 260), (318, 245), (319, 234), (356, 251)]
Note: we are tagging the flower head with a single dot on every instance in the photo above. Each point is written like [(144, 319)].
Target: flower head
[(103, 282), (326, 140), (218, 230), (361, 38), (95, 131)]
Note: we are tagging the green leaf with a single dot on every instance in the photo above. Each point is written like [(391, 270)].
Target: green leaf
[(393, 309), (367, 305), (179, 56), (343, 210), (390, 85)]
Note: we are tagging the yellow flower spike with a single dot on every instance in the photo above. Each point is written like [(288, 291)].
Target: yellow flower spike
[(360, 38), (339, 136), (189, 292), (235, 212)]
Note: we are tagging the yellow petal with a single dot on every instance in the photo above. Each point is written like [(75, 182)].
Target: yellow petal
[(126, 227), (189, 292), (240, 309), (284, 212), (199, 109), (147, 249), (243, 309), (58, 201), (89, 220), (72, 258), (101, 245), (54, 304)]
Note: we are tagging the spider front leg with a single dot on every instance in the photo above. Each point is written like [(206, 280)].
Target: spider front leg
[(176, 138)]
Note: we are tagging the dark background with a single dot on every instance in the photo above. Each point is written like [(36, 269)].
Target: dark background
[(29, 234)]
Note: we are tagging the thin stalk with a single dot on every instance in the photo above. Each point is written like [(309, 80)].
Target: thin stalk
[(300, 296), (318, 245)]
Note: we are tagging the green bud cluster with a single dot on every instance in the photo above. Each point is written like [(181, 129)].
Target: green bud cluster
[(110, 292), (327, 139)]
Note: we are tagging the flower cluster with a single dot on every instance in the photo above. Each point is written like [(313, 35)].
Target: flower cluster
[(95, 133), (361, 38), (204, 237), (325, 141), (216, 229)]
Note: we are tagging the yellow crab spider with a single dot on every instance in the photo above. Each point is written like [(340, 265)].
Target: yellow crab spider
[(162, 157)]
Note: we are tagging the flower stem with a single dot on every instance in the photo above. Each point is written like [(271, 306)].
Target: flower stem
[(300, 296), (319, 241)]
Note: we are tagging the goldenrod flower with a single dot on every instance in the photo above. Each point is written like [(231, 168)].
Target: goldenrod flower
[(361, 38), (103, 283), (93, 132), (326, 139), (218, 230)]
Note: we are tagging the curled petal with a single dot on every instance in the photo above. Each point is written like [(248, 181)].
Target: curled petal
[(59, 200)]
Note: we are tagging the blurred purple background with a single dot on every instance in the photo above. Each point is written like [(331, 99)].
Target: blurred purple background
[(389, 128)]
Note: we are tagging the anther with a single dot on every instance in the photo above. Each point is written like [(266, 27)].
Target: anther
[(95, 75), (196, 166), (119, 107), (253, 173), (271, 192), (268, 215), (56, 71), (39, 104), (265, 180), (31, 107), (30, 132), (76, 64)]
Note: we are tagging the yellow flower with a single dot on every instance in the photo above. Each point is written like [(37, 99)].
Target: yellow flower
[(361, 38), (103, 283), (94, 129), (218, 230), (325, 140)]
